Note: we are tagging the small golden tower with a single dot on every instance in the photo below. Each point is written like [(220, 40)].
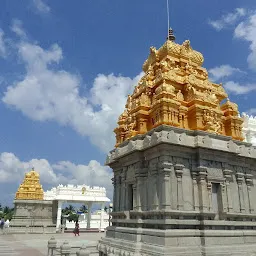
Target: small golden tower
[(176, 91), (30, 189)]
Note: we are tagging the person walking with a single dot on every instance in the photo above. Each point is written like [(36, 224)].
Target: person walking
[(6, 226), (76, 230), (2, 225)]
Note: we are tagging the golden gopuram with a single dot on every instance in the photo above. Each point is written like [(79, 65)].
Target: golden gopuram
[(30, 189), (176, 91)]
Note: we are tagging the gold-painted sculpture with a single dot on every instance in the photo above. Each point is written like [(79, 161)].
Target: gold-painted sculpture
[(30, 189), (176, 91)]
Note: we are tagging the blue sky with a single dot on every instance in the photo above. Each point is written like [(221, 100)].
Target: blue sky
[(67, 66)]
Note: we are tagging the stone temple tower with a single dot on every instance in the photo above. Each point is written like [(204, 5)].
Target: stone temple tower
[(184, 179)]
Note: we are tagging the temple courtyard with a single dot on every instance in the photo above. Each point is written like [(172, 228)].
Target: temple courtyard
[(36, 244)]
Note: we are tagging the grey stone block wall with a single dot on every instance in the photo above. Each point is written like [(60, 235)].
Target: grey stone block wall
[(33, 216), (179, 192)]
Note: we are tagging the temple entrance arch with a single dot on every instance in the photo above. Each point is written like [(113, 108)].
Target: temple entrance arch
[(81, 194)]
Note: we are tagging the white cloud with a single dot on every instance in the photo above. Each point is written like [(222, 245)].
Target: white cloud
[(237, 89), (49, 94), (3, 50), (12, 170), (17, 28), (251, 111), (93, 174), (228, 19), (41, 6), (222, 71), (246, 30)]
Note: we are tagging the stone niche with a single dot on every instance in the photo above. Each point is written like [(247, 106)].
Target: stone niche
[(34, 213), (181, 192)]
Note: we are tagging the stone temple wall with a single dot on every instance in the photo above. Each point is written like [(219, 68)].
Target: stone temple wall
[(180, 192), (33, 215)]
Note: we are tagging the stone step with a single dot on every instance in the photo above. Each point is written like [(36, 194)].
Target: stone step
[(6, 247), (7, 250)]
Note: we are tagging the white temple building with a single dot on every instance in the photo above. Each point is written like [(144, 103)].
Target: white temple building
[(249, 128), (81, 194)]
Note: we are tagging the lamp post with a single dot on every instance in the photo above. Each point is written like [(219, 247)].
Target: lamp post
[(110, 208)]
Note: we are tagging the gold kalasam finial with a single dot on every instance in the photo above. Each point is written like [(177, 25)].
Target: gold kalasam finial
[(171, 36)]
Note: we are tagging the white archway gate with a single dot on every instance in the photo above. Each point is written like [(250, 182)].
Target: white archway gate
[(78, 194)]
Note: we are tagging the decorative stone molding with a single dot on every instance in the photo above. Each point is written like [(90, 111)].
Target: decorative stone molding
[(170, 135), (71, 192)]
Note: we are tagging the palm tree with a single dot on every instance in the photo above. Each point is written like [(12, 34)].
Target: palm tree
[(69, 210), (6, 212), (6, 209), (83, 209)]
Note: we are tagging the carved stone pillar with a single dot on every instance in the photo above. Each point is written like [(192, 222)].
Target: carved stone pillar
[(165, 170), (209, 188), (154, 183), (223, 197), (114, 193), (195, 191), (139, 185), (123, 203), (228, 176), (202, 185), (143, 193), (118, 194), (239, 179), (179, 171), (249, 183), (149, 191), (134, 192)]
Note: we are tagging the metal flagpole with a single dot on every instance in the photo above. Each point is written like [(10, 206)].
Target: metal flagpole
[(168, 15)]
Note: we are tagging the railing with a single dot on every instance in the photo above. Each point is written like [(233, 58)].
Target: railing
[(27, 229), (67, 250)]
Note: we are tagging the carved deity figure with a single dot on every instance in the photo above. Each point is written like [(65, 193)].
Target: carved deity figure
[(150, 73), (129, 102), (211, 122), (164, 66), (144, 100), (180, 96), (211, 96)]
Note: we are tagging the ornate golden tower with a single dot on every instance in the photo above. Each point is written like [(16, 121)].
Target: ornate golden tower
[(30, 189), (176, 91)]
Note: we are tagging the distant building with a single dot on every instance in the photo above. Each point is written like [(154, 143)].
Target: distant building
[(249, 128)]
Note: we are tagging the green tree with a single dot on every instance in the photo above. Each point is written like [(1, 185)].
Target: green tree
[(69, 210), (6, 212), (83, 209), (73, 217)]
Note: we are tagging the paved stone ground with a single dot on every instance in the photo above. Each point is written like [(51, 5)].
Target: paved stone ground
[(36, 244)]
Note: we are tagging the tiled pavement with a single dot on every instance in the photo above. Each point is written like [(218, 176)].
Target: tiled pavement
[(36, 244)]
